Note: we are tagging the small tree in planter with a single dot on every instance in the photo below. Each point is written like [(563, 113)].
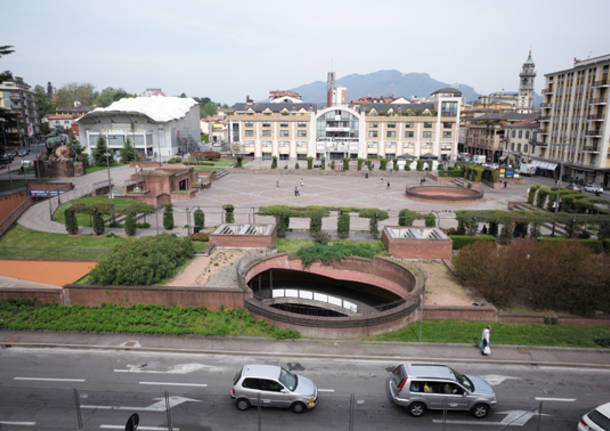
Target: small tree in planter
[(369, 165), (343, 225), (323, 163), (430, 220), (360, 161), (168, 217), (315, 224), (98, 222), (407, 165), (420, 165), (130, 224), (274, 162), (199, 219), (296, 165), (239, 161), (229, 217), (373, 227), (345, 164), (332, 165), (309, 162), (395, 164), (383, 164), (71, 222)]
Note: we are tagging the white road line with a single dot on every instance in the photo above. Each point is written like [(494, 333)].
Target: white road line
[(561, 400), (140, 427), (15, 423), (48, 379), (326, 390), (199, 385)]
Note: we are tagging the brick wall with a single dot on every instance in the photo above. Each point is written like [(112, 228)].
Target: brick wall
[(8, 203), (267, 241), (41, 294), (418, 248), (484, 313), (50, 186)]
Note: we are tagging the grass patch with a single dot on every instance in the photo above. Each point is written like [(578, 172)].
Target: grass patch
[(22, 243), (291, 246), (93, 169), (209, 168), (449, 331), (85, 219), (145, 319), (199, 246)]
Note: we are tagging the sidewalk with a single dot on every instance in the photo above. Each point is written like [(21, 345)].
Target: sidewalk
[(331, 349)]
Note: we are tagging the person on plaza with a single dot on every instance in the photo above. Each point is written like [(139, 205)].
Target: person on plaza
[(277, 183), (296, 191), (484, 344), (387, 186), (302, 183), (505, 184)]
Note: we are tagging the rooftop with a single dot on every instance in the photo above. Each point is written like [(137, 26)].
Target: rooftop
[(243, 229), (160, 109), (416, 233)]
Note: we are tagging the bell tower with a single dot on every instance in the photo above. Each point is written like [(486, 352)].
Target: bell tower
[(526, 86)]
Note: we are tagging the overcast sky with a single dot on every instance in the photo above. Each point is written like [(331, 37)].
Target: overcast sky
[(229, 49)]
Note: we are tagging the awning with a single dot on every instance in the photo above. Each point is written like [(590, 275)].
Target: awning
[(549, 166)]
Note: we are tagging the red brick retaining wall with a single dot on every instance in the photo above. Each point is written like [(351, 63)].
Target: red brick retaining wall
[(41, 294)]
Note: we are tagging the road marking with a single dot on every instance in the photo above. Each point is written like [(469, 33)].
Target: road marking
[(16, 423), (561, 400), (140, 427), (326, 390), (497, 379), (48, 379), (516, 418), (199, 385), (158, 406), (177, 369)]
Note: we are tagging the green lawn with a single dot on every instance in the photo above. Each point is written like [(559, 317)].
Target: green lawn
[(92, 169), (85, 219), (291, 246), (144, 319), (448, 331), (199, 245), (22, 243), (208, 168)]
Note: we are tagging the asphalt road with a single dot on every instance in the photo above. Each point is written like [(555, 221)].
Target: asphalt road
[(38, 393)]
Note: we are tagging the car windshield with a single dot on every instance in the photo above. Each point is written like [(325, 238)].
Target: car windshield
[(288, 379), (599, 419), (463, 380)]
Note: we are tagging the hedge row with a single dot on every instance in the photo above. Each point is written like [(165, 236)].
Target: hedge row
[(460, 241)]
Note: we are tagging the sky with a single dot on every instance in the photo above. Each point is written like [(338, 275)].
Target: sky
[(227, 50)]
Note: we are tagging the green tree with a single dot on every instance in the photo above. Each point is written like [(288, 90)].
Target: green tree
[(383, 162), (309, 162), (343, 225), (127, 152), (130, 224), (323, 163), (72, 92), (346, 164), (229, 216), (98, 222), (99, 153), (168, 217), (199, 218), (209, 109), (395, 164), (45, 105), (274, 162), (359, 166), (373, 226), (315, 224), (70, 220), (109, 95)]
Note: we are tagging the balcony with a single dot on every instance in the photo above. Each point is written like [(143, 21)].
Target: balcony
[(595, 117), (545, 120), (602, 83), (598, 101), (594, 133), (591, 149), (547, 91), (545, 105)]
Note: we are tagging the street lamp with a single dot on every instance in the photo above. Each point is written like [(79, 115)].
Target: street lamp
[(107, 154)]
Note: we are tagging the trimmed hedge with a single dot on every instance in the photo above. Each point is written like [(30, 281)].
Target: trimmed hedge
[(343, 225), (594, 244), (532, 193), (460, 241)]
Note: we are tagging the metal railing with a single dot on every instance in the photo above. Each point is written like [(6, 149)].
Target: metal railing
[(316, 297)]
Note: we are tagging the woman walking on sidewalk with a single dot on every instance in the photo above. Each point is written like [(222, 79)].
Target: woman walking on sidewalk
[(484, 344)]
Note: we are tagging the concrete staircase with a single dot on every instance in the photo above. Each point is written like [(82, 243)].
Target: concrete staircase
[(459, 182), (222, 173), (559, 229)]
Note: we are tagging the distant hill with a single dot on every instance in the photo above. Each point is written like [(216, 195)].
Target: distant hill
[(387, 83)]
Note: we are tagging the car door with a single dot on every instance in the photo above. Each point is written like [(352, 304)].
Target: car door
[(251, 390), (432, 394), (272, 395), (455, 398)]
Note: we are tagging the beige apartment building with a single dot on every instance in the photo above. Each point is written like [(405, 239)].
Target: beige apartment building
[(575, 124), (295, 131)]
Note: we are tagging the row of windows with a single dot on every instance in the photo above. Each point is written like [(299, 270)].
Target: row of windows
[(283, 133), (445, 146), (527, 134), (408, 134), (372, 125), (268, 124)]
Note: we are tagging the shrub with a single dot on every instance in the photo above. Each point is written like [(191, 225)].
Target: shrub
[(229, 217), (369, 165), (596, 245), (315, 224), (407, 165), (532, 193), (321, 237), (168, 217), (343, 225), (282, 221), (602, 340), (383, 163), (309, 162), (428, 165), (332, 165), (175, 160), (407, 217), (323, 163), (395, 164), (420, 165), (430, 220), (239, 161), (71, 222), (199, 219), (373, 226), (346, 164), (360, 162), (130, 224), (200, 236), (142, 261), (339, 250), (297, 166), (98, 222), (460, 241), (205, 155), (274, 162)]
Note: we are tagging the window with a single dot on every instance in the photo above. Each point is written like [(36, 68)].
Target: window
[(284, 133), (284, 144), (525, 148), (520, 134), (248, 124), (301, 144), (446, 146), (372, 145), (267, 143), (514, 134), (251, 384), (373, 125), (301, 133), (427, 144), (284, 124), (301, 124), (527, 134), (408, 145), (427, 134), (446, 134), (427, 125), (519, 148), (391, 134), (266, 124), (408, 125), (447, 125), (409, 134), (391, 125), (266, 132), (249, 133), (372, 133)]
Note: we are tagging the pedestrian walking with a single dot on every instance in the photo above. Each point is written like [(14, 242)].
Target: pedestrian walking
[(484, 345), (296, 191), (505, 184), (302, 183), (277, 183), (387, 185)]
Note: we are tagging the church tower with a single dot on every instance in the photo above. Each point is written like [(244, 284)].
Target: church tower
[(526, 86)]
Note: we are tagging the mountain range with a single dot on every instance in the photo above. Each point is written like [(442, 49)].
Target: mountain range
[(387, 83)]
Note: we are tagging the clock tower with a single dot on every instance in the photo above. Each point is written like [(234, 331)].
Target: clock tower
[(526, 86)]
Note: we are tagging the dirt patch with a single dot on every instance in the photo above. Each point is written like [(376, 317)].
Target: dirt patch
[(201, 268), (441, 286), (53, 272)]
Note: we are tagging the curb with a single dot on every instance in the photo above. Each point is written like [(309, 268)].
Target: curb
[(5, 345)]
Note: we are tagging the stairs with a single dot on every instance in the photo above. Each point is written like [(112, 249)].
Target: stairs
[(459, 182), (559, 229), (222, 173)]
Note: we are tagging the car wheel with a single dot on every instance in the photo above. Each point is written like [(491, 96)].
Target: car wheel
[(417, 409), (298, 407), (242, 404), (480, 410)]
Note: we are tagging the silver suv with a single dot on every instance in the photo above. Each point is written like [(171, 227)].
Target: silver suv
[(274, 387), (437, 387)]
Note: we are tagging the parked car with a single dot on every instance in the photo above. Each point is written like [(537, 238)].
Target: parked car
[(597, 419), (594, 188), (574, 186), (421, 387), (23, 153), (274, 387)]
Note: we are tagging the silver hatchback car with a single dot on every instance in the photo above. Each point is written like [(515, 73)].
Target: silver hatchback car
[(437, 387), (274, 387)]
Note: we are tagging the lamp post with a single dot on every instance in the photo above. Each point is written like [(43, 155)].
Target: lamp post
[(107, 154), (565, 141)]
